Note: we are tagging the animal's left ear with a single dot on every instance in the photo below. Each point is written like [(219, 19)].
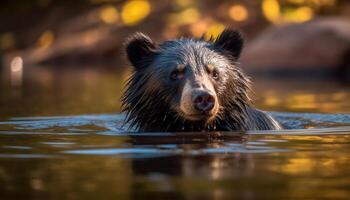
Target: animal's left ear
[(140, 49), (230, 41)]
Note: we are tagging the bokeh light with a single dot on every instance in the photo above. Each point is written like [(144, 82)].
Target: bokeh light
[(271, 10), (46, 39), (199, 28), (238, 13), (214, 30), (134, 11), (301, 14), (299, 10), (16, 67), (17, 64), (109, 14), (187, 16)]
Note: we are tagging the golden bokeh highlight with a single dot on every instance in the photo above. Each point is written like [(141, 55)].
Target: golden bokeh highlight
[(46, 39), (271, 10), (199, 28), (298, 15), (238, 13), (135, 11), (214, 31), (185, 17), (109, 15)]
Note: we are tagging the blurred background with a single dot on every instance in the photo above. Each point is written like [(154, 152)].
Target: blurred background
[(61, 57)]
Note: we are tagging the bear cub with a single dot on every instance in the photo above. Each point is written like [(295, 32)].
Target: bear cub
[(190, 84)]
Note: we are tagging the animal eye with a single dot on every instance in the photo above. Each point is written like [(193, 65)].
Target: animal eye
[(215, 75), (176, 75), (173, 75)]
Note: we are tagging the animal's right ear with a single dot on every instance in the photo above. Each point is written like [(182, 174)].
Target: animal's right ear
[(140, 50), (231, 41)]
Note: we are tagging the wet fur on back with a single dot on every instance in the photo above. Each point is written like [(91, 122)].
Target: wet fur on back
[(151, 104)]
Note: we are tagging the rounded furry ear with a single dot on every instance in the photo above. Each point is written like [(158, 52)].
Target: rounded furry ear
[(231, 41), (140, 50)]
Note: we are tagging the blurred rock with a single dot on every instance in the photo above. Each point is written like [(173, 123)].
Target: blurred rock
[(85, 39), (318, 47)]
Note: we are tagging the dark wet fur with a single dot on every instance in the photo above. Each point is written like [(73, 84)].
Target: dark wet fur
[(149, 110)]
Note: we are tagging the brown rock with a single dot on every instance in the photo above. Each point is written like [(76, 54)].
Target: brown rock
[(319, 45)]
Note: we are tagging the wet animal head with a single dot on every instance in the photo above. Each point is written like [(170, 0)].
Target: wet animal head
[(185, 80)]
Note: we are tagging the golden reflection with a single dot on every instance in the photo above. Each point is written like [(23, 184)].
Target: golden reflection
[(109, 14), (216, 168), (305, 163), (299, 166), (46, 39), (301, 101), (272, 100), (134, 11), (328, 106), (338, 96), (327, 102), (238, 13)]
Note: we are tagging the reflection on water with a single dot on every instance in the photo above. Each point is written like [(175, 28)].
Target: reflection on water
[(65, 152), (163, 166), (109, 124), (302, 95), (62, 90)]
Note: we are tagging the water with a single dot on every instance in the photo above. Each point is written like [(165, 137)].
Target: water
[(92, 157), (51, 147)]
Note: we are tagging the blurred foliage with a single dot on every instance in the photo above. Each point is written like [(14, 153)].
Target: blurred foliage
[(36, 21)]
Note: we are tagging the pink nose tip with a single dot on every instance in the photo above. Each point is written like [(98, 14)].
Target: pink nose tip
[(203, 101)]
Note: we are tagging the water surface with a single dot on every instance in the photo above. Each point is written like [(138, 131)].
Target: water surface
[(93, 156), (52, 147)]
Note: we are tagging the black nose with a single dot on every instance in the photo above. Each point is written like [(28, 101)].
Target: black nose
[(203, 101)]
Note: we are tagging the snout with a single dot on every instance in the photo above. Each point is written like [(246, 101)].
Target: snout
[(203, 101), (199, 103)]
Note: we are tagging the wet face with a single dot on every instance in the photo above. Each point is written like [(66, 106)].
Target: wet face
[(194, 76)]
